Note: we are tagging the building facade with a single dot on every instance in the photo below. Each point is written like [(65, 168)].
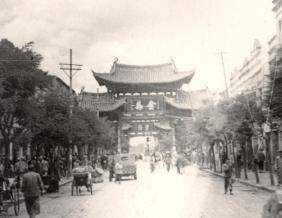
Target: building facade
[(250, 77)]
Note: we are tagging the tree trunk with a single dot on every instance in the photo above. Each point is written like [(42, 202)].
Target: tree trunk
[(245, 156), (237, 170), (254, 164), (256, 173), (269, 157), (213, 157), (7, 149)]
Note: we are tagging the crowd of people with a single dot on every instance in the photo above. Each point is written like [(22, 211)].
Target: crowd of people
[(42, 165), (169, 159)]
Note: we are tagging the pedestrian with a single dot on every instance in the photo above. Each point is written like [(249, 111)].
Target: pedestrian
[(167, 161), (9, 169), (179, 164), (152, 163), (44, 166), (227, 169), (118, 172), (4, 185), (32, 188), (21, 167), (279, 168), (111, 170)]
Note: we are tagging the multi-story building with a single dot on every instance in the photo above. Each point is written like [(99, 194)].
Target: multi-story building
[(275, 57), (250, 77)]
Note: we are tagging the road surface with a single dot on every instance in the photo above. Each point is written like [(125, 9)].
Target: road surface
[(194, 194)]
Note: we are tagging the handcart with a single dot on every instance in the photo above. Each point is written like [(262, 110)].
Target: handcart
[(79, 180)]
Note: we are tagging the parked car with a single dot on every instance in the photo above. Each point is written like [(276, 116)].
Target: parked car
[(127, 161)]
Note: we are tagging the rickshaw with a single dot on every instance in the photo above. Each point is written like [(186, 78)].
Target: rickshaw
[(81, 177), (11, 197), (128, 164)]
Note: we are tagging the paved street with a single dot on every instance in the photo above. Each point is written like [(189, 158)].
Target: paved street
[(194, 194)]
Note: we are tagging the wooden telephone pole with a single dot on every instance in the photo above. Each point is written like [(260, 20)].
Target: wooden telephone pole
[(70, 70), (224, 73)]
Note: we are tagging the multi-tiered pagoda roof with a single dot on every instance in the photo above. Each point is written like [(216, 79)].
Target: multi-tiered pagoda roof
[(150, 78)]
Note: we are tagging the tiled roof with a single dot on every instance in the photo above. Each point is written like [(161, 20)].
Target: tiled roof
[(102, 102), (111, 106), (190, 100), (154, 74)]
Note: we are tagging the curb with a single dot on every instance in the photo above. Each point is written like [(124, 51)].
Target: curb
[(271, 190), (65, 182)]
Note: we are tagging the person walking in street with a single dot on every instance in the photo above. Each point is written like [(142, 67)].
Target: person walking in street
[(152, 163), (118, 172), (4, 185), (32, 187), (279, 168), (178, 164), (44, 166), (168, 160), (21, 167), (227, 169), (111, 170)]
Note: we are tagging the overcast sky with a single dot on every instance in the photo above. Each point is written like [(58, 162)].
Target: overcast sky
[(139, 32)]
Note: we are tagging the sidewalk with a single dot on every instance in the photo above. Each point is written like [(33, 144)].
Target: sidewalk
[(63, 181), (263, 177)]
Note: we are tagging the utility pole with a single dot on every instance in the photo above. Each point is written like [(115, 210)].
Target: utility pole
[(224, 73), (72, 71)]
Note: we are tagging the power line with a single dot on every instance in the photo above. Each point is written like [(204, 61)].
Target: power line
[(224, 73)]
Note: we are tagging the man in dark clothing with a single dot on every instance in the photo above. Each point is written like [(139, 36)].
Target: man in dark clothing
[(227, 169), (4, 185), (32, 187)]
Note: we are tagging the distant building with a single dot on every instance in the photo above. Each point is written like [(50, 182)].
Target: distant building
[(250, 76), (59, 85)]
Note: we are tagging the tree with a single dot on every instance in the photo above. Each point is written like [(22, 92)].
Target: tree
[(20, 78)]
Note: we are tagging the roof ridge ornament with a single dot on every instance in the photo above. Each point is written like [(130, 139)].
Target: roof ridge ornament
[(173, 65), (114, 65)]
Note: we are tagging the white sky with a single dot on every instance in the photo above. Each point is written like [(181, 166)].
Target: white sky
[(139, 32)]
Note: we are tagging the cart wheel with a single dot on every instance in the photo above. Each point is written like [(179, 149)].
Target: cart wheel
[(15, 201)]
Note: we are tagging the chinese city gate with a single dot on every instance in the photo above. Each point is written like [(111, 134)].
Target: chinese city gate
[(141, 101)]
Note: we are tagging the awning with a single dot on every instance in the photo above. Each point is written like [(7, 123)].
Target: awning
[(178, 105), (164, 125), (125, 126)]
